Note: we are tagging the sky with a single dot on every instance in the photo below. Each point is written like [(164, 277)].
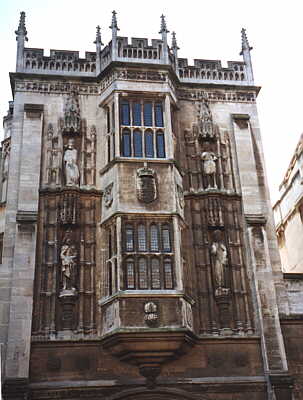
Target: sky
[(204, 29)]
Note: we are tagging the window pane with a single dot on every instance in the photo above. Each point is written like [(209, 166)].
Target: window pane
[(148, 114), (166, 238), (149, 144), (155, 274), (138, 144), (159, 114), (126, 149), (130, 274), (137, 114), (168, 273), (154, 241), (129, 233), (141, 238), (143, 274), (160, 145), (125, 120)]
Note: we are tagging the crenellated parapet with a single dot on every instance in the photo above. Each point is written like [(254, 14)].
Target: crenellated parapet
[(59, 62), (136, 50), (211, 70)]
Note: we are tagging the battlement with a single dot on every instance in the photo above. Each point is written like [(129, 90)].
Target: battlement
[(211, 70), (59, 61), (137, 50)]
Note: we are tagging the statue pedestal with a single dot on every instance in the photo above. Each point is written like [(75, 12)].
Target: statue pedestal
[(68, 299)]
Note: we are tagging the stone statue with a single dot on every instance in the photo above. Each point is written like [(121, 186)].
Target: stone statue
[(209, 168), (68, 257), (70, 165), (206, 130), (72, 114), (219, 260)]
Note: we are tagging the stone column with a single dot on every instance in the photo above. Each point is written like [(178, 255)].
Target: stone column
[(20, 238)]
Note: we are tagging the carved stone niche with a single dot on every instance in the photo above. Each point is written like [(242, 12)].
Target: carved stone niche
[(146, 185), (71, 123), (205, 128)]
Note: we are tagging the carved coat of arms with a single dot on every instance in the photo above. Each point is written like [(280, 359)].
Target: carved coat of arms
[(146, 185)]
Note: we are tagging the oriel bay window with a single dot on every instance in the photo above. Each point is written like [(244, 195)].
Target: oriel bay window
[(142, 128), (147, 255)]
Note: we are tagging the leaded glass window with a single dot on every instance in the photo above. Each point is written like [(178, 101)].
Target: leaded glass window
[(130, 274), (143, 275), (138, 143), (158, 114), (160, 145), (125, 117), (126, 145), (166, 238), (148, 114), (129, 233), (155, 274), (149, 144), (137, 114), (168, 274), (154, 239), (141, 238)]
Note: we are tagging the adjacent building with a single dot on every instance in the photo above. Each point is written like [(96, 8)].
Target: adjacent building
[(139, 255)]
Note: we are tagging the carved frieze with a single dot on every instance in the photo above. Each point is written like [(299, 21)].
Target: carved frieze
[(54, 87), (218, 95), (146, 185)]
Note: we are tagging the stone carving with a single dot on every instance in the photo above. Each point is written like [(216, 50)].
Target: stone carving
[(151, 313), (218, 95), (70, 164), (108, 195), (72, 114), (180, 196), (214, 213), (205, 121), (219, 259), (68, 255), (54, 87), (68, 209), (146, 184), (209, 168), (53, 158)]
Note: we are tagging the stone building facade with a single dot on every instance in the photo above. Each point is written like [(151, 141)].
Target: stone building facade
[(139, 257)]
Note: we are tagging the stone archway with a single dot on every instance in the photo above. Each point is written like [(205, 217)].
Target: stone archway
[(154, 394)]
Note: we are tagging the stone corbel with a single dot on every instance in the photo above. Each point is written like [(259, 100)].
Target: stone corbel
[(26, 221), (33, 110), (255, 219), (241, 120)]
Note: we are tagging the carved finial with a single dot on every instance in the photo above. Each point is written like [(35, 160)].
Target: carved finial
[(245, 44), (163, 28), (114, 24), (174, 41), (21, 31), (98, 36)]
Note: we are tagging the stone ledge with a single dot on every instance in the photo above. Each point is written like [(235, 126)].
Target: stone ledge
[(26, 217)]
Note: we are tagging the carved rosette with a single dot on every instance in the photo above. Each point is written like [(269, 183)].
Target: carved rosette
[(146, 185)]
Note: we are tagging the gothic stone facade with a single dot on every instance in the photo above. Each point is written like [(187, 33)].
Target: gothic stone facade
[(139, 254)]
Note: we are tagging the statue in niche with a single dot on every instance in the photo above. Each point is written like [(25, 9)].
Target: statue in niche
[(68, 255), (219, 259), (5, 168), (205, 122), (72, 114), (70, 164), (146, 184), (209, 167)]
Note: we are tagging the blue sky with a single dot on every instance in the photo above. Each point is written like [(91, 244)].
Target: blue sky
[(205, 29)]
